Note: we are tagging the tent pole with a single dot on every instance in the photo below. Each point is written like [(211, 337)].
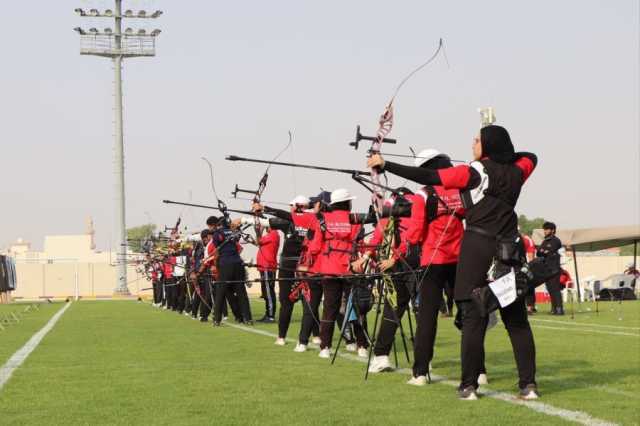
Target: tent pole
[(635, 263), (575, 266)]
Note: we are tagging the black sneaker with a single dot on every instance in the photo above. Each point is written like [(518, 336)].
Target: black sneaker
[(263, 319), (204, 319), (467, 394), (529, 392), (250, 322)]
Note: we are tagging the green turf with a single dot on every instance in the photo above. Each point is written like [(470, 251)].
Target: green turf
[(31, 318), (128, 363)]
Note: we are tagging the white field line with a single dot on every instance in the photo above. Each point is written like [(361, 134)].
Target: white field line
[(588, 330), (585, 324), (540, 407), (21, 354)]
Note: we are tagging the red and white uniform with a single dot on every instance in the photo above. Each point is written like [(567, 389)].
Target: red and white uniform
[(442, 237), (267, 258), (529, 246), (331, 248), (167, 267)]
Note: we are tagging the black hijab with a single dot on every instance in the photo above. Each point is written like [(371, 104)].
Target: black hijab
[(496, 144)]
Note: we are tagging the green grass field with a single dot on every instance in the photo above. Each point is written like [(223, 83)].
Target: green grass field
[(121, 362)]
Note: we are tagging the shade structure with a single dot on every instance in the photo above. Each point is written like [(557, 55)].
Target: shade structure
[(594, 239)]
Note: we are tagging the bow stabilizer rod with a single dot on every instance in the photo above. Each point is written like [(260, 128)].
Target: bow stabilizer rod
[(302, 166), (203, 206), (361, 137)]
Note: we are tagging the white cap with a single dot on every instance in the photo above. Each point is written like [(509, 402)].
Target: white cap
[(299, 200), (340, 195), (426, 155)]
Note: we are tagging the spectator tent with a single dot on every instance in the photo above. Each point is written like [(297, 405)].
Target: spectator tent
[(594, 239)]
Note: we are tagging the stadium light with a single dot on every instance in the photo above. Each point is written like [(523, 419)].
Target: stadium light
[(117, 45)]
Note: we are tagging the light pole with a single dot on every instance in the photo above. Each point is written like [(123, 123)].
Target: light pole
[(118, 45)]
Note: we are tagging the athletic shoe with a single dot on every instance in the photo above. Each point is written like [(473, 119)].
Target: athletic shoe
[(204, 319), (194, 318), (280, 341), (300, 348), (483, 380), (529, 392), (316, 340), (417, 381), (467, 394), (187, 314), (351, 347), (379, 364), (225, 318), (250, 322), (217, 324), (363, 352), (263, 319), (270, 320), (325, 353)]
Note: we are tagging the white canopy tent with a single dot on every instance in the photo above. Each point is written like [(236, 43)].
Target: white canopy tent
[(594, 239)]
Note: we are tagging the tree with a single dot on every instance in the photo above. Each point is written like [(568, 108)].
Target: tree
[(528, 225), (138, 234)]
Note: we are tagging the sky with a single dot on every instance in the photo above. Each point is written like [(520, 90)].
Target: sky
[(235, 77)]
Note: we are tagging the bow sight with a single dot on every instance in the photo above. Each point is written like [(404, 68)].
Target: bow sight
[(361, 137), (238, 190)]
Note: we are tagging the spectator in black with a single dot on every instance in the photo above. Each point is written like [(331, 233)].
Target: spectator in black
[(549, 249)]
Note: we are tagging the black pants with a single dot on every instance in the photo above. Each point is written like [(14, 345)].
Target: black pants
[(284, 289), (181, 294), (555, 292), (436, 279), (531, 298), (391, 317), (199, 293), (232, 272), (311, 312), (446, 307), (333, 290), (170, 293), (268, 286), (476, 255), (209, 296), (157, 291)]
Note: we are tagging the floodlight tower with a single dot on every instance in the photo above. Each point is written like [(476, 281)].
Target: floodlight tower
[(118, 45)]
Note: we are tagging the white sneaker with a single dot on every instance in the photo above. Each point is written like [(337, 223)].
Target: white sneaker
[(351, 347), (280, 341), (483, 380), (417, 381), (300, 348), (363, 352), (325, 353), (379, 364), (316, 340)]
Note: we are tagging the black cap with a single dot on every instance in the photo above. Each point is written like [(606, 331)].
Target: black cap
[(549, 225), (324, 197)]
